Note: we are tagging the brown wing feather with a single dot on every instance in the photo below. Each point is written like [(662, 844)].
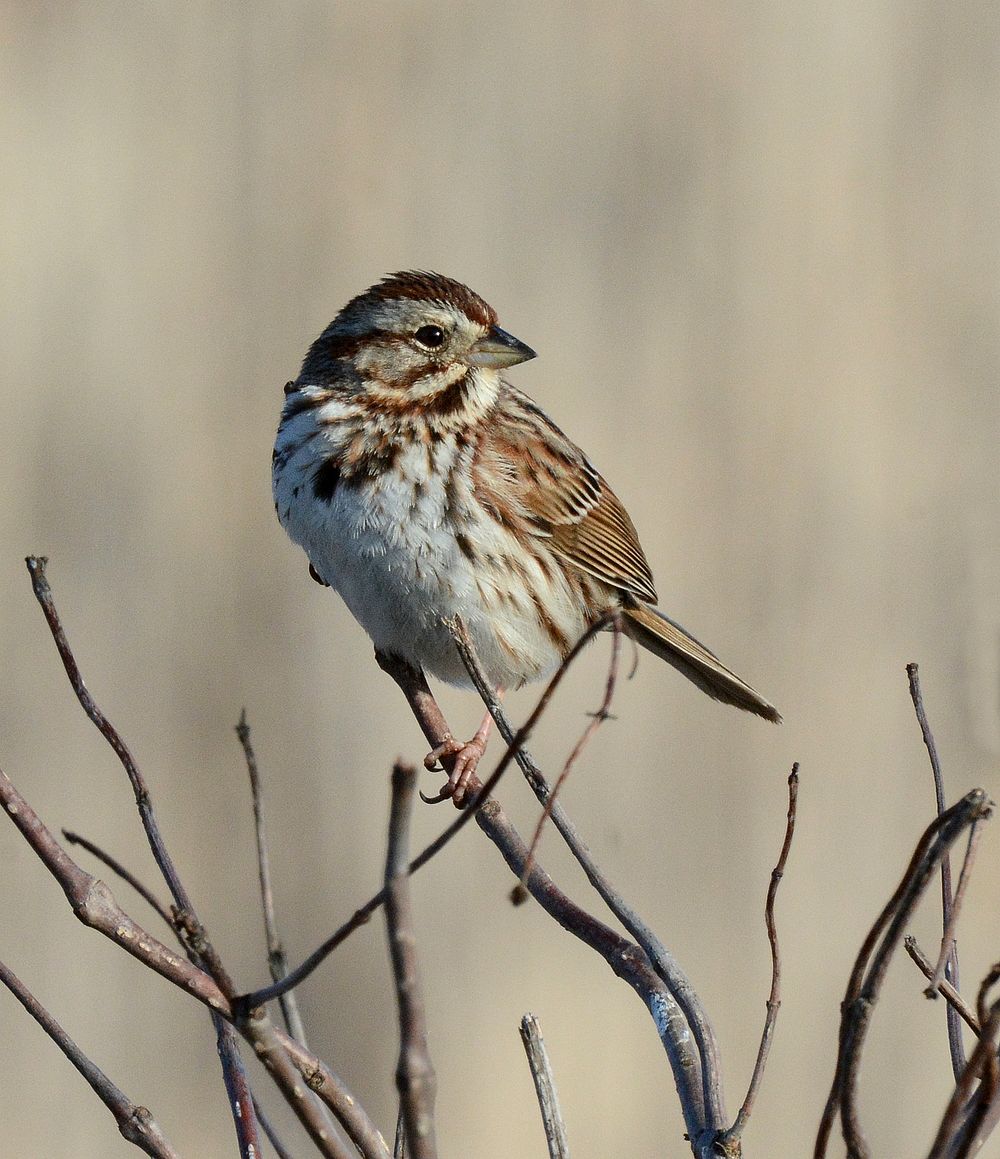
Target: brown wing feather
[(561, 495)]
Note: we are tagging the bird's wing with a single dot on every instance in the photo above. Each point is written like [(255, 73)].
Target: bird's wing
[(524, 462)]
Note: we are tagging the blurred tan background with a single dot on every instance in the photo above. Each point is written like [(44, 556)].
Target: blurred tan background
[(757, 249)]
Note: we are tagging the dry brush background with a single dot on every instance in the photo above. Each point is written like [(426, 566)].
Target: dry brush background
[(757, 249)]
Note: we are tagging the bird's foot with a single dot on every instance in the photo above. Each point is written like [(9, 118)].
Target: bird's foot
[(464, 758)]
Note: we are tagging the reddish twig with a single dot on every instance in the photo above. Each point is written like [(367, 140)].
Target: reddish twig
[(415, 1078), (545, 1087), (135, 1123), (864, 987), (735, 1132), (948, 965), (597, 719)]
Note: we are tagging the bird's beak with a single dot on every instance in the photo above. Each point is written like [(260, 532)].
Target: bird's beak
[(498, 349)]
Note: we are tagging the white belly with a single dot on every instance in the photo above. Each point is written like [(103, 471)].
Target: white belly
[(388, 547)]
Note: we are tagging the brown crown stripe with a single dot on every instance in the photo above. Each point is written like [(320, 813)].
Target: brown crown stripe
[(422, 285)]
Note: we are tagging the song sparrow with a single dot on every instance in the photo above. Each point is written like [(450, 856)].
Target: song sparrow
[(423, 486)]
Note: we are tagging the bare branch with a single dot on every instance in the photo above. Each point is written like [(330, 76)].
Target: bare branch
[(872, 962), (545, 1087), (948, 944), (596, 720), (774, 998), (435, 728), (335, 1093), (135, 1123), (709, 1098), (277, 961), (43, 593), (415, 1078), (970, 1116), (120, 870), (185, 919), (93, 903), (948, 966)]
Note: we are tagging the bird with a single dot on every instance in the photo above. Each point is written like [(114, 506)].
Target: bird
[(424, 487)]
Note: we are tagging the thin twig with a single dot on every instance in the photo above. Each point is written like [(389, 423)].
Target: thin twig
[(415, 1077), (234, 1073), (949, 948), (125, 874), (774, 997), (710, 1097), (961, 1132), (94, 904), (597, 719), (43, 593), (948, 943), (545, 1087), (268, 1128), (236, 1083), (425, 708), (944, 988), (628, 960), (135, 1123), (865, 984), (276, 958)]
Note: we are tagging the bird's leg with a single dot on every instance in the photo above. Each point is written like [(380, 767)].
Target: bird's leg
[(465, 759), (458, 760)]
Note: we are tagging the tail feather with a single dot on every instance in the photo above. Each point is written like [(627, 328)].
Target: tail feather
[(670, 642)]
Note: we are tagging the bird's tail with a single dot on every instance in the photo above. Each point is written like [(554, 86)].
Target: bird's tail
[(670, 642)]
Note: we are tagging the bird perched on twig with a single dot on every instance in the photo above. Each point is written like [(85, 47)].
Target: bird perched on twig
[(423, 486)]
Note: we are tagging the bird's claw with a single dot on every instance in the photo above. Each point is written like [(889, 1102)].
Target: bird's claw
[(464, 759)]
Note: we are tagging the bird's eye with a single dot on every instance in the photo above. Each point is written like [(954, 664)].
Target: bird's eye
[(430, 336)]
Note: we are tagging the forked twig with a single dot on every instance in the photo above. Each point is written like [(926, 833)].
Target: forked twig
[(415, 1078), (125, 874), (864, 987), (709, 1097), (628, 960), (431, 720), (276, 958), (135, 1123), (545, 1087), (234, 1072), (735, 1132), (94, 904)]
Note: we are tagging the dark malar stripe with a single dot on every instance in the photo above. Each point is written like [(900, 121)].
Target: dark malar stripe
[(453, 398)]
